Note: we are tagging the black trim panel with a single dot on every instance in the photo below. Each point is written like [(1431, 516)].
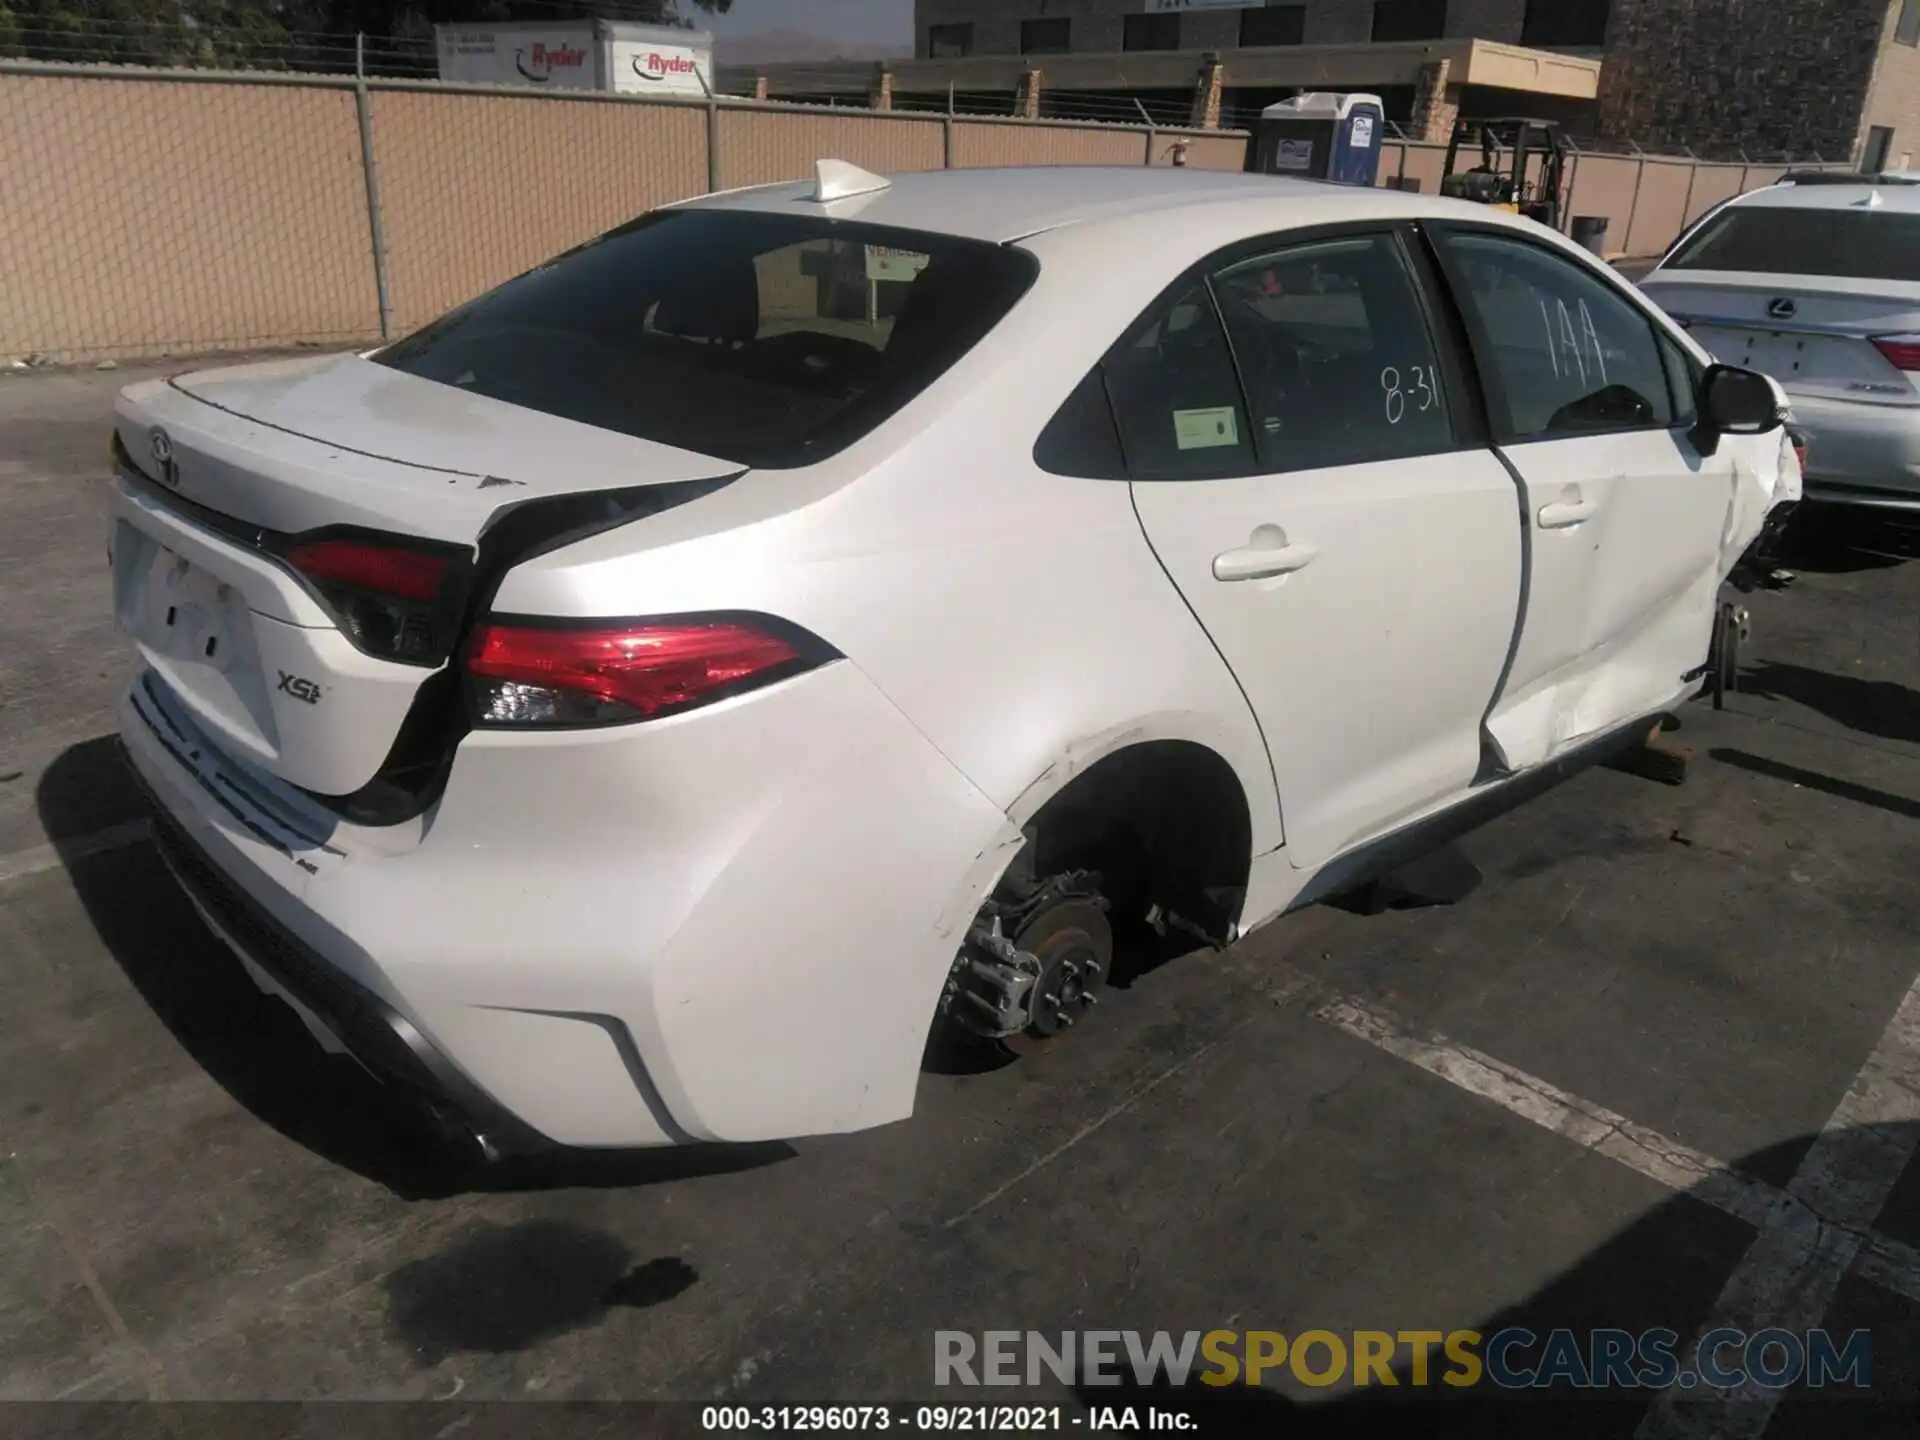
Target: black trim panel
[(1375, 858)]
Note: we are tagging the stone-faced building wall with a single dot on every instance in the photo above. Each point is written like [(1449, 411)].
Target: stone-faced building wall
[(1764, 76)]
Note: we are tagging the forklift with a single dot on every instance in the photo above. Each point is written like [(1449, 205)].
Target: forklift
[(1507, 146)]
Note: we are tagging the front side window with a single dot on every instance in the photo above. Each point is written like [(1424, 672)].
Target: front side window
[(769, 340), (1175, 396), (1875, 244), (1335, 353), (1565, 353)]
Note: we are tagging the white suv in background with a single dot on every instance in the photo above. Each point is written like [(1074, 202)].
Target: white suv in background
[(1817, 283)]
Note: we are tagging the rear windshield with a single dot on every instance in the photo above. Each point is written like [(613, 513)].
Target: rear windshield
[(768, 340), (1852, 244)]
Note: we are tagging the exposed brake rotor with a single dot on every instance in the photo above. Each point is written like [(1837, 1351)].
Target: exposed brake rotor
[(1026, 988)]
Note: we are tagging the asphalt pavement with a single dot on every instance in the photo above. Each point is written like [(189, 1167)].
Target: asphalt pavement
[(1659, 1070)]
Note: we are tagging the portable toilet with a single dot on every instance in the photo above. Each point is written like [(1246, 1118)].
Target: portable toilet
[(1320, 136)]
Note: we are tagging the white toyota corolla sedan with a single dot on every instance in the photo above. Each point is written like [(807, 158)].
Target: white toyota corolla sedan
[(647, 703), (1817, 283)]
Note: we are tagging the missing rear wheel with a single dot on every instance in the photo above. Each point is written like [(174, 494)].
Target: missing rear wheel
[(1033, 965)]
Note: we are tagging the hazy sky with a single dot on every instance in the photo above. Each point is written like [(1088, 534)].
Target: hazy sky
[(874, 22)]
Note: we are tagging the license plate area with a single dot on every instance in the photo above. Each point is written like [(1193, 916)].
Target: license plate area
[(176, 610), (1771, 352), (1830, 361)]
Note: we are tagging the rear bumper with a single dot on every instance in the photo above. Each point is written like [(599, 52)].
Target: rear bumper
[(731, 925), (1860, 454), (372, 1031)]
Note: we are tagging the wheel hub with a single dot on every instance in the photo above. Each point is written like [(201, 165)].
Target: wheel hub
[(1026, 989), (1064, 992)]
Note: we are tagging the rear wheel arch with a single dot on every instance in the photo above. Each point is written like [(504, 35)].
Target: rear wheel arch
[(1164, 821)]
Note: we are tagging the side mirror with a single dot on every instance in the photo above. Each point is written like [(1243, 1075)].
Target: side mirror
[(1741, 402)]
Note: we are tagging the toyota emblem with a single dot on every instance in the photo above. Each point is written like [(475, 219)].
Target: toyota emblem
[(161, 444), (1781, 309)]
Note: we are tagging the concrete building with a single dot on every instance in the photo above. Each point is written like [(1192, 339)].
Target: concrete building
[(1833, 78)]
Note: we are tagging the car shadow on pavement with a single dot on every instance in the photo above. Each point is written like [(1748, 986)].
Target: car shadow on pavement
[(1883, 708), (1814, 780), (1665, 1271), (258, 1050), (1839, 539)]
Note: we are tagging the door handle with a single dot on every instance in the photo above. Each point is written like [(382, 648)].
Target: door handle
[(1275, 555), (1559, 514)]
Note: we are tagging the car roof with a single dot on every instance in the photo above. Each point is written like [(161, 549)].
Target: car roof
[(1899, 198), (1002, 205)]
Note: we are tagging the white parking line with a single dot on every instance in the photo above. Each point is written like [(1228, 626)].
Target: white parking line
[(37, 858), (1789, 1274), (1590, 1126), (1825, 1212)]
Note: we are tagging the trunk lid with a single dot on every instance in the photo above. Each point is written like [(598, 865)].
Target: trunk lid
[(1812, 334), (227, 480), (299, 444)]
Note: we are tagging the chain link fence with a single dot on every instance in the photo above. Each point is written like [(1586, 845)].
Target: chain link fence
[(1646, 200), (149, 212)]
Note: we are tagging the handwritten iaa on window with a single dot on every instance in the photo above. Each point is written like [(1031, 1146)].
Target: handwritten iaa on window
[(1572, 341)]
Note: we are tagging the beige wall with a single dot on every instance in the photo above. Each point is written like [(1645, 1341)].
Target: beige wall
[(476, 189), (1603, 185), (758, 146), (141, 217), (1207, 152), (1711, 185), (1660, 211), (996, 143), (1671, 194)]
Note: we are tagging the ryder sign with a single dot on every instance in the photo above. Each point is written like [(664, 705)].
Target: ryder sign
[(578, 55), (649, 67)]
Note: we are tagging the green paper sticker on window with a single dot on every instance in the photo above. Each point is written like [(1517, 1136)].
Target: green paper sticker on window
[(1200, 429)]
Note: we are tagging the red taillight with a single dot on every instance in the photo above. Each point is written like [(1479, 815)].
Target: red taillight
[(1902, 350), (396, 601), (403, 574), (608, 673)]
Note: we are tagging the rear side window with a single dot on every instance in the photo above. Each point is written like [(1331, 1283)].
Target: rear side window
[(1334, 349), (1778, 240), (768, 340), (1081, 439), (1175, 396)]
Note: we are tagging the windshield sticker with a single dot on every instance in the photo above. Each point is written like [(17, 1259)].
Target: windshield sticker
[(1202, 429)]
